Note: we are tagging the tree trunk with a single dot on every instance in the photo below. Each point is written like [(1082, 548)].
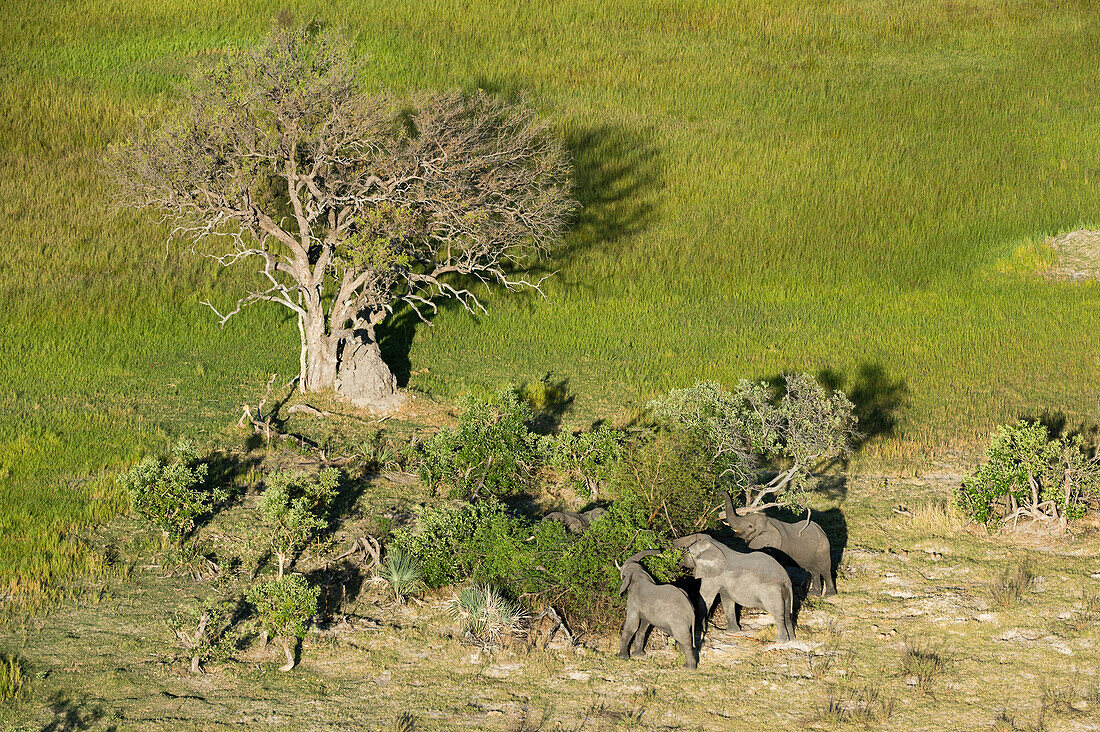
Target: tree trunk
[(353, 366), (364, 379), (321, 353), (289, 652)]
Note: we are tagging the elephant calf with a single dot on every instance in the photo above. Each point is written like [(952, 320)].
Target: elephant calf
[(649, 604), (573, 521), (751, 579), (805, 543)]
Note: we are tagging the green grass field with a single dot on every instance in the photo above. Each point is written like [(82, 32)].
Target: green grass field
[(768, 186)]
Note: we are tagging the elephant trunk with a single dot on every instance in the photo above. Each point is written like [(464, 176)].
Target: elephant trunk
[(642, 555), (731, 512)]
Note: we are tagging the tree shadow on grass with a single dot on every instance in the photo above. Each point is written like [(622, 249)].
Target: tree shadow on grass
[(618, 181), (879, 400)]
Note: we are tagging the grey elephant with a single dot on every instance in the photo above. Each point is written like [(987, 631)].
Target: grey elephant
[(750, 579), (805, 543), (574, 522), (649, 604)]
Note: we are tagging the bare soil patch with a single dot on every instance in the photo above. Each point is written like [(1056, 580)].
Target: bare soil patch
[(1076, 255)]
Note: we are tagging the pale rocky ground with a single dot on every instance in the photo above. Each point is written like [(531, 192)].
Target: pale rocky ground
[(919, 580)]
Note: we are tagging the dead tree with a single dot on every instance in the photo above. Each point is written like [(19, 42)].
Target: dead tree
[(349, 200)]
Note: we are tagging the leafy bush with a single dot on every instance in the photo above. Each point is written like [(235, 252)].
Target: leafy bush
[(402, 573), (167, 493), (539, 563), (586, 459), (794, 429), (490, 451), (577, 573), (486, 615), (283, 607), (295, 507), (205, 634), (670, 481), (454, 542), (1028, 473)]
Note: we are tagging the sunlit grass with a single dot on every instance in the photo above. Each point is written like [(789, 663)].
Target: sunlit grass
[(768, 186)]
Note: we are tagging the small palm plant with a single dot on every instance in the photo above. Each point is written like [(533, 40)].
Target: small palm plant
[(402, 573), (486, 615)]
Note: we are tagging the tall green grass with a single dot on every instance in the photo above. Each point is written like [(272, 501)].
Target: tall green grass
[(768, 186)]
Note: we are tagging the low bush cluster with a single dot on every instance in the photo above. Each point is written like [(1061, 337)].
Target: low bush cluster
[(538, 563), (295, 506), (1027, 473), (168, 492), (495, 450), (490, 452)]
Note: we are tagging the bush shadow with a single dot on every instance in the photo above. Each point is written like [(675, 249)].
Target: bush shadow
[(70, 714)]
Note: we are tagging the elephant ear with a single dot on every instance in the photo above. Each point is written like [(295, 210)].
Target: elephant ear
[(709, 559), (768, 538)]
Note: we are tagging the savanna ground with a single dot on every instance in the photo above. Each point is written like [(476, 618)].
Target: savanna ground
[(917, 638), (858, 189)]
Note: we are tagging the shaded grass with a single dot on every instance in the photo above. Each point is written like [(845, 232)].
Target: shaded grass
[(770, 186)]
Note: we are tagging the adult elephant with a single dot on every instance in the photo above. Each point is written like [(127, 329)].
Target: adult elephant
[(749, 579), (805, 543)]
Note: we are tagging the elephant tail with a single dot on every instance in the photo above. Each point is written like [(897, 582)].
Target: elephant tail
[(805, 525), (788, 599)]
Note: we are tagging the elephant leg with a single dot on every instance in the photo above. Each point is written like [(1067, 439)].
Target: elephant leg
[(685, 639), (830, 584), (638, 648), (815, 583), (730, 608), (630, 628), (708, 591), (777, 606)]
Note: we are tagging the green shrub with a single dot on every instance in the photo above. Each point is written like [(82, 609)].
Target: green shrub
[(205, 634), (1028, 473), (585, 459), (669, 483), (540, 563), (490, 452), (455, 542), (295, 507), (793, 428), (577, 573), (168, 493), (283, 607)]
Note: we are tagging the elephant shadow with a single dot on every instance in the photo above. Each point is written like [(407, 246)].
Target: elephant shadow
[(690, 585)]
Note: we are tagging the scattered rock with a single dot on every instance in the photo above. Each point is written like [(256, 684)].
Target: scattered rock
[(501, 671), (794, 645), (985, 617), (579, 675), (1081, 705)]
